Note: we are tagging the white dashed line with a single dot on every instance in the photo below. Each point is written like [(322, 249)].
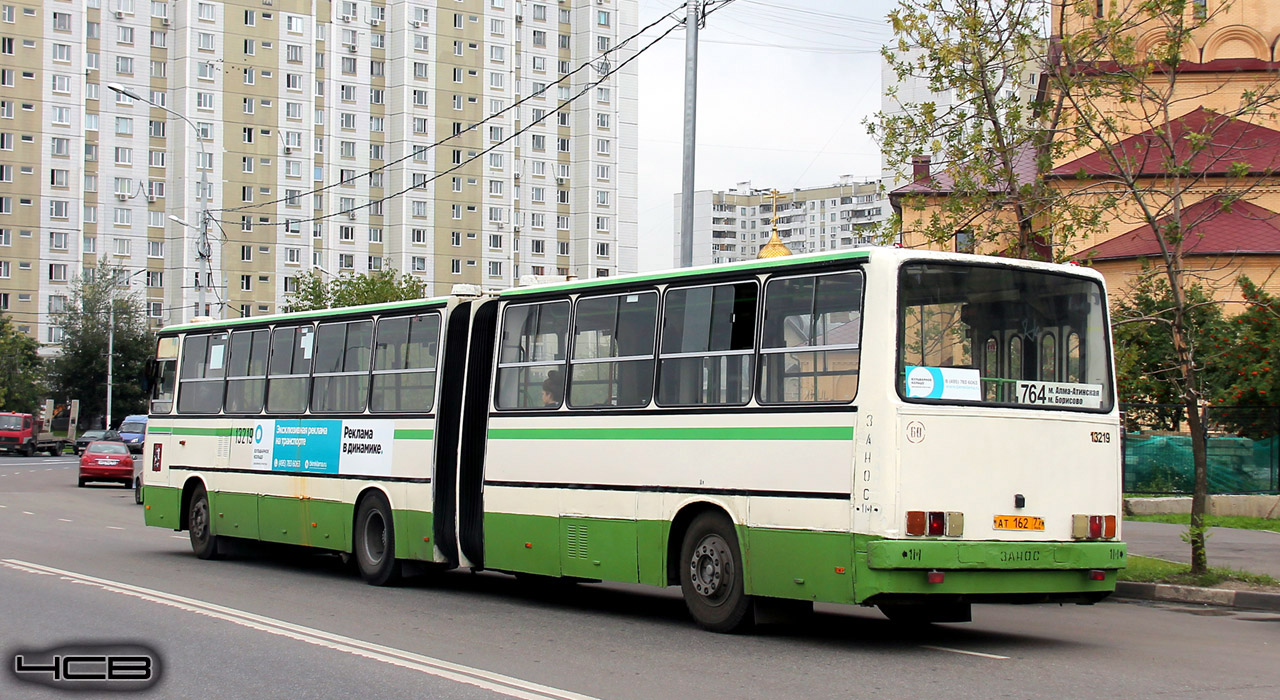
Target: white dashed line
[(63, 520), (962, 651), (178, 537), (27, 512), (113, 527)]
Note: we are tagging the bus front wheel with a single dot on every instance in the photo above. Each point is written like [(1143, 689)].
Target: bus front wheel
[(200, 526), (375, 542), (711, 575)]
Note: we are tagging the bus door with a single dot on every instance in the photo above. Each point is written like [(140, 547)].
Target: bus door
[(448, 421), (475, 427)]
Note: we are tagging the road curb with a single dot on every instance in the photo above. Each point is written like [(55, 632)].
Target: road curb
[(1252, 600)]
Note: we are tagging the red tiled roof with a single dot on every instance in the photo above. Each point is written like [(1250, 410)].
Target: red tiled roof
[(1241, 228), (1024, 171), (1232, 141)]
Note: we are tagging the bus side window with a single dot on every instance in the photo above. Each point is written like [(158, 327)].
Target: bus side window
[(247, 371), (1075, 362), (289, 369), (341, 369), (708, 345), (810, 342), (531, 353), (1048, 358), (200, 381), (404, 363), (612, 362)]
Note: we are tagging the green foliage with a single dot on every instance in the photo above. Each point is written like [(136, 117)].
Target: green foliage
[(21, 370), (1246, 362), (314, 292), (1147, 369), (80, 372), (986, 54), (1239, 522), (1150, 570)]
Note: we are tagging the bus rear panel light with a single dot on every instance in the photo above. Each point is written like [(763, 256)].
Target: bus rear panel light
[(936, 576), (1097, 575), (955, 524), (937, 523), (1095, 527), (1079, 526), (1109, 527), (915, 523)]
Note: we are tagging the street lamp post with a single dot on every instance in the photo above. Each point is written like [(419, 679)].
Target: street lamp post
[(203, 250)]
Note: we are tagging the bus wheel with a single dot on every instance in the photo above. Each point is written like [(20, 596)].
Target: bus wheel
[(203, 542), (137, 490), (375, 542), (711, 575)]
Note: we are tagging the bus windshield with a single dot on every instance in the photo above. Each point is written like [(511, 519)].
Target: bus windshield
[(1002, 336)]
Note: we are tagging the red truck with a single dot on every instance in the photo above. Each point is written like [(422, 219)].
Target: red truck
[(27, 435)]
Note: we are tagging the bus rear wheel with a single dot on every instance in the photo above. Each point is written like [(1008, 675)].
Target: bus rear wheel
[(711, 575), (200, 526), (375, 542)]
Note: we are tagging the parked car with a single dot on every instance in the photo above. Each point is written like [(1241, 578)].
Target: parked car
[(94, 436), (106, 461), (133, 429)]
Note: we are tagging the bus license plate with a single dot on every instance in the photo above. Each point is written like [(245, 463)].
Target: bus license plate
[(1019, 522)]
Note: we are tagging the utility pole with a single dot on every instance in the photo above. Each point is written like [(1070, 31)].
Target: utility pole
[(690, 128), (111, 346)]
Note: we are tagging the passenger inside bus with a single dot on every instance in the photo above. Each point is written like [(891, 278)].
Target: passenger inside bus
[(552, 388)]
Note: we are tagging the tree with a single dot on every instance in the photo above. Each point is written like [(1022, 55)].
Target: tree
[(80, 372), (993, 143), (21, 369), (1245, 373), (1155, 157), (314, 292), (1146, 368)]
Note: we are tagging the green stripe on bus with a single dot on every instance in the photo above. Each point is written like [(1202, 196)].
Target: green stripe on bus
[(735, 433), (414, 434), (160, 431), (207, 432)]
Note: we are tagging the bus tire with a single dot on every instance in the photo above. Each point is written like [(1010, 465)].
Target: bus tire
[(374, 543), (712, 577), (137, 491), (200, 525)]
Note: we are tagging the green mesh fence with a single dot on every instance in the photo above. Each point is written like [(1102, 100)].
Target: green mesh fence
[(1158, 460)]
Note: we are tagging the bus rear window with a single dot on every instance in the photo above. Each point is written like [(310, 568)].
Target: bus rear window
[(993, 335)]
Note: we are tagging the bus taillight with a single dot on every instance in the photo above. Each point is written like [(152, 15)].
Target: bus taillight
[(1093, 527), (935, 523)]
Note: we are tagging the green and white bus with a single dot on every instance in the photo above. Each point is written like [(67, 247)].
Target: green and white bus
[(917, 431)]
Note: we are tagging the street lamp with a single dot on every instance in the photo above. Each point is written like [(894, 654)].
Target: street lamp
[(203, 250), (111, 334)]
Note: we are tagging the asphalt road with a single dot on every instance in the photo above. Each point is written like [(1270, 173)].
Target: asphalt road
[(1256, 551), (76, 565)]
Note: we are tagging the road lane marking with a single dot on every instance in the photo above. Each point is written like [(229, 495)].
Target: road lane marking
[(178, 537), (63, 520), (27, 512), (459, 673), (963, 651), (113, 527)]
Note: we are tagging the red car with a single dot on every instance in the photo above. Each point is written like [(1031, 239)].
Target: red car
[(106, 461)]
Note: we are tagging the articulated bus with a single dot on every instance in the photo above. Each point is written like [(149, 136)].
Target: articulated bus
[(911, 430)]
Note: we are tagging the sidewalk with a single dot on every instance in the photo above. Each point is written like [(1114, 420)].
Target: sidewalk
[(1256, 551)]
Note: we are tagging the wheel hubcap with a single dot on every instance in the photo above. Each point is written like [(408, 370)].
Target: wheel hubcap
[(200, 521), (375, 537), (711, 568)]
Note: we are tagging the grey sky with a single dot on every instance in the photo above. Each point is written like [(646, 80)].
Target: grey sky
[(783, 88)]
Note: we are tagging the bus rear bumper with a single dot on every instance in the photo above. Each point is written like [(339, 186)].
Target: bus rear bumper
[(897, 571)]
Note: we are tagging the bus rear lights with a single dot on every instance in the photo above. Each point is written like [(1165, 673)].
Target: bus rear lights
[(1093, 527), (936, 576), (1097, 575), (915, 523), (935, 523)]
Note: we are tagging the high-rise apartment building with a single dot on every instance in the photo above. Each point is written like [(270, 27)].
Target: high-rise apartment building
[(733, 225), (461, 141)]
